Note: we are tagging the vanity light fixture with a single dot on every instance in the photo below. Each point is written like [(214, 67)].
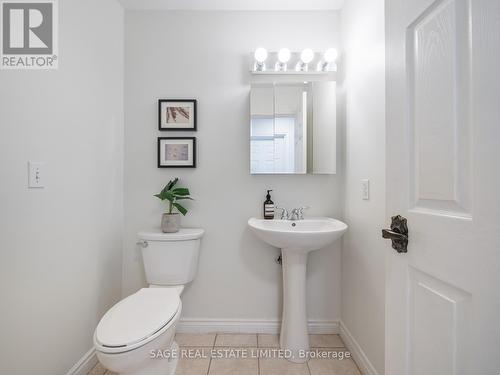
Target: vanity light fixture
[(260, 56), (306, 57), (327, 64), (284, 55), (289, 62)]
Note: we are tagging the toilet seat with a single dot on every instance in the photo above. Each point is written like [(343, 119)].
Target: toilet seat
[(137, 320)]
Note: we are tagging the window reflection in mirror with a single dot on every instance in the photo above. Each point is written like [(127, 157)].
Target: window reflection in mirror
[(293, 128), (278, 128)]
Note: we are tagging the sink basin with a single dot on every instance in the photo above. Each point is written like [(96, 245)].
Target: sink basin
[(300, 235), (296, 239)]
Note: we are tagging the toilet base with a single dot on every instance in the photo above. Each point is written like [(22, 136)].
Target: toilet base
[(159, 366)]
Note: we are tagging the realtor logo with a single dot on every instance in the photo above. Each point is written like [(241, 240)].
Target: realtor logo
[(29, 34)]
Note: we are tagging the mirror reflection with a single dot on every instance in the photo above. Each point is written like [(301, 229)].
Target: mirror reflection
[(292, 128), (278, 129)]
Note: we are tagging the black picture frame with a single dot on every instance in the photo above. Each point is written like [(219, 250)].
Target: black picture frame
[(163, 125), (161, 164)]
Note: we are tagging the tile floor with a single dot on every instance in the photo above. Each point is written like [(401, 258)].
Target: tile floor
[(99, 370), (201, 355)]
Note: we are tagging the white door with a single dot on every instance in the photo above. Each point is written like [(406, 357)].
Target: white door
[(443, 175)]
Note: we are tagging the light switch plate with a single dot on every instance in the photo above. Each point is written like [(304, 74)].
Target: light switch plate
[(365, 189), (36, 174)]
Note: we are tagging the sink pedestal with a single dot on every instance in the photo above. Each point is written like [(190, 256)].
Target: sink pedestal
[(294, 333), (296, 239)]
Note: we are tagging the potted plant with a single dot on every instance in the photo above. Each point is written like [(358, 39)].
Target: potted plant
[(170, 222)]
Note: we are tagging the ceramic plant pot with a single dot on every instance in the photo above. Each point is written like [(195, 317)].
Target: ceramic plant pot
[(170, 223)]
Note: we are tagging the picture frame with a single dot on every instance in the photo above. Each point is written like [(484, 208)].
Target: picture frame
[(177, 114), (176, 152)]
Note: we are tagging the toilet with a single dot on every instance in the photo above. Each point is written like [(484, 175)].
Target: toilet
[(133, 332)]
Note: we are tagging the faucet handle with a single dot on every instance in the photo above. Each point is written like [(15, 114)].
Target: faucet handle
[(301, 211), (284, 212)]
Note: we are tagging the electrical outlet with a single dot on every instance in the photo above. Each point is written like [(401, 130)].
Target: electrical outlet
[(36, 175), (365, 189)]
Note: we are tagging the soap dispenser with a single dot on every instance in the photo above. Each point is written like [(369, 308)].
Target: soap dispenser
[(268, 207)]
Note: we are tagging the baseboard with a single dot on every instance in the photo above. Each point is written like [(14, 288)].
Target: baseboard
[(188, 325), (364, 364), (85, 364)]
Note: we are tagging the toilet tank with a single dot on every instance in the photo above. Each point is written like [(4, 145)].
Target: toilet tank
[(170, 258)]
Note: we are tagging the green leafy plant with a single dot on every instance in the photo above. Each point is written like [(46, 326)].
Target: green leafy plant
[(173, 194)]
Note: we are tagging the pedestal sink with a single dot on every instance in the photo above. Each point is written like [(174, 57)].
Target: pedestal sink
[(296, 239)]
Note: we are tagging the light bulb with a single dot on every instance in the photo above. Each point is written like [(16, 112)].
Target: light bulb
[(284, 55), (330, 55), (260, 55), (307, 56)]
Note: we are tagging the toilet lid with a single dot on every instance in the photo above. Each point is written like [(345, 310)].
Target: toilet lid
[(137, 317), (184, 234)]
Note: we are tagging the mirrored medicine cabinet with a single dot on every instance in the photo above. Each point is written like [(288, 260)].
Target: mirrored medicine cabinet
[(293, 128)]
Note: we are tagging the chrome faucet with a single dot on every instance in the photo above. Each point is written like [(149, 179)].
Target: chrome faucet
[(295, 213), (284, 213)]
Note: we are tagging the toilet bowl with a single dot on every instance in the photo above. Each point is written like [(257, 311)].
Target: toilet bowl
[(136, 336), (137, 327)]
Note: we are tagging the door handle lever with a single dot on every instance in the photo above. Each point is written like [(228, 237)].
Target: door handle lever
[(386, 233), (398, 234)]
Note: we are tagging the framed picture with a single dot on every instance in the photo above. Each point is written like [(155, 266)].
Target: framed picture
[(176, 152), (177, 114)]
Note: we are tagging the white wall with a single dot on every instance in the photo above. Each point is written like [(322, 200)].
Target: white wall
[(363, 272), (61, 250), (204, 55)]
